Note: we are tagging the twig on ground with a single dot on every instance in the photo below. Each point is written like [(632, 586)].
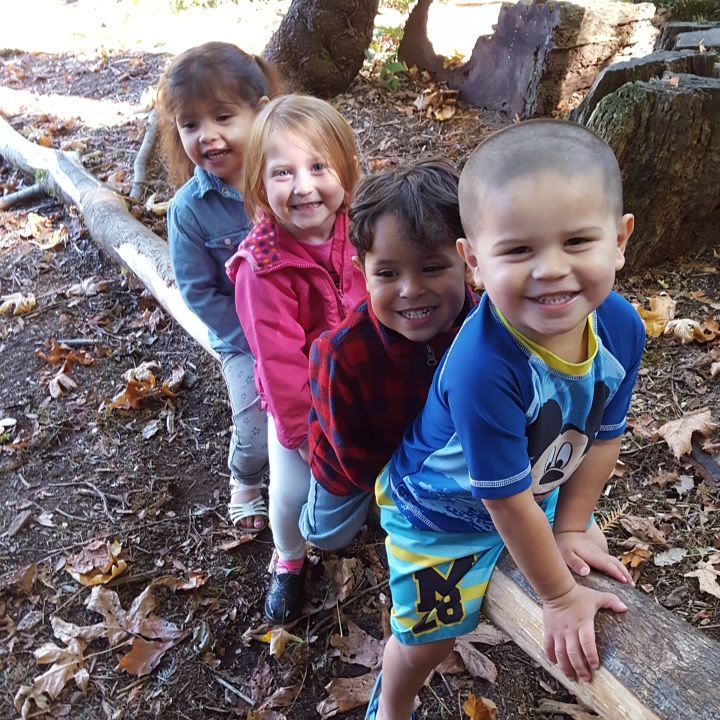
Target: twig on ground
[(248, 700), (142, 158), (102, 497), (21, 196)]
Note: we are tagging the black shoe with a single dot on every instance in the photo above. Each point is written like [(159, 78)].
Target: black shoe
[(285, 597)]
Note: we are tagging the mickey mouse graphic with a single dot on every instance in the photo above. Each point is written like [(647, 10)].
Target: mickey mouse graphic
[(555, 449)]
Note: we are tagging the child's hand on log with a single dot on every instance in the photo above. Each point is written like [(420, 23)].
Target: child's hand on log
[(569, 622), (583, 551)]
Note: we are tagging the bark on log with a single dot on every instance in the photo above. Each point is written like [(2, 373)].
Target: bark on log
[(655, 666), (666, 135), (320, 45), (542, 56), (104, 212), (688, 62)]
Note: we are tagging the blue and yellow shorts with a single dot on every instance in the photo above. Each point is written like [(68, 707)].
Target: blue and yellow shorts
[(437, 580)]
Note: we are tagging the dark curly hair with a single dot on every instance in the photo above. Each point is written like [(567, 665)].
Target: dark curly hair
[(423, 198)]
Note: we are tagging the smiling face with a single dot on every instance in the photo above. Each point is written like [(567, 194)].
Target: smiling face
[(546, 248), (213, 135), (415, 291), (303, 191)]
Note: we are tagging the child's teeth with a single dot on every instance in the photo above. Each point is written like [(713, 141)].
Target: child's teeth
[(416, 314), (553, 299)]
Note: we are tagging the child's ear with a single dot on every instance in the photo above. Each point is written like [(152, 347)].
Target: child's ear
[(626, 225), (466, 252), (262, 102), (358, 263)]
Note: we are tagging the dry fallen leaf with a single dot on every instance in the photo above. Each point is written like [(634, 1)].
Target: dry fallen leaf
[(345, 574), (26, 695), (89, 287), (282, 697), (23, 578), (60, 382), (669, 557), (17, 303), (707, 575), (572, 711), (476, 663), (68, 663), (56, 238), (644, 529), (278, 638), (139, 620), (358, 647), (344, 694), (144, 656), (637, 556), (687, 330), (479, 708), (662, 309), (58, 354), (195, 580), (678, 433), (97, 563)]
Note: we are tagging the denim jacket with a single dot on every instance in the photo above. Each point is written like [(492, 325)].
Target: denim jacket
[(206, 222)]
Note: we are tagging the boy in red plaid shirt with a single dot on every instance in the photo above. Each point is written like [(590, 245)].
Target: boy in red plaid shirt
[(370, 377)]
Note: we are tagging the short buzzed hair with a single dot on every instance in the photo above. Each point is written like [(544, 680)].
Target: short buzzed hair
[(534, 146), (421, 196)]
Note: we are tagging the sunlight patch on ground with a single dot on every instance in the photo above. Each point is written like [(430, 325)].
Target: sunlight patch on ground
[(82, 26)]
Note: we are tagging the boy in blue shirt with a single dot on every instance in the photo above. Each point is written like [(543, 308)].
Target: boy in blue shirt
[(522, 425)]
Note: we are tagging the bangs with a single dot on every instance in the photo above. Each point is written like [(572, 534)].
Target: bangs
[(204, 88)]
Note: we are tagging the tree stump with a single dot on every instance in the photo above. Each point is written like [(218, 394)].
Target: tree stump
[(542, 56), (666, 135), (320, 45), (709, 39), (654, 65), (670, 30)]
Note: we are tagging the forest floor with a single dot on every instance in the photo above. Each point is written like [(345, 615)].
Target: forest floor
[(91, 489)]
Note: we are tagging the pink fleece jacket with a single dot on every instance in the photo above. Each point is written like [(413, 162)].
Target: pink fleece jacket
[(284, 301)]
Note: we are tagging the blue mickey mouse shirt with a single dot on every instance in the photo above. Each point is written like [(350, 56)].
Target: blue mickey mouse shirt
[(504, 415)]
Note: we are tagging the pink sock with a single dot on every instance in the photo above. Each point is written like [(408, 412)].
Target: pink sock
[(289, 566)]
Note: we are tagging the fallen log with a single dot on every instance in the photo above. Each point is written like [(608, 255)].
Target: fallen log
[(655, 666), (110, 225)]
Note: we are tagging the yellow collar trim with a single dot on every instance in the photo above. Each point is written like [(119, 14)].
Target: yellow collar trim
[(552, 360)]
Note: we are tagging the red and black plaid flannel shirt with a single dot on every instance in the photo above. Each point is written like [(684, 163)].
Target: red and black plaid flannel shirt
[(367, 383)]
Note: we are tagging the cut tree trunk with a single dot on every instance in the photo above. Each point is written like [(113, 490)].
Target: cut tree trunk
[(670, 30), (542, 57), (708, 39), (111, 226), (666, 135), (320, 45), (655, 666), (690, 62)]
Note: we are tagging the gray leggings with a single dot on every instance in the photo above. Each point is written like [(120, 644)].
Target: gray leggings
[(288, 492), (248, 455)]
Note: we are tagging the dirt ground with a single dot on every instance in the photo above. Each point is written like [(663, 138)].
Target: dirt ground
[(73, 469)]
